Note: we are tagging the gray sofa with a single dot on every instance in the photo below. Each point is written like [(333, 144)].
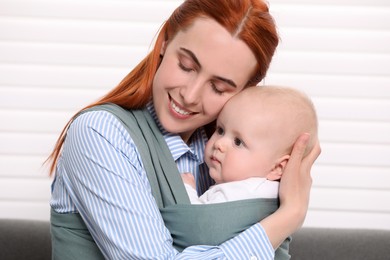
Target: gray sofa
[(28, 239)]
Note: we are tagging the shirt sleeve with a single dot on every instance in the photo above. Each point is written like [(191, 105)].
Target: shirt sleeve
[(105, 179)]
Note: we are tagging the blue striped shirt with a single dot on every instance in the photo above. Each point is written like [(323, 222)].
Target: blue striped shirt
[(100, 175)]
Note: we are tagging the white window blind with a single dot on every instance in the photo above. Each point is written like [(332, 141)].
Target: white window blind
[(58, 56)]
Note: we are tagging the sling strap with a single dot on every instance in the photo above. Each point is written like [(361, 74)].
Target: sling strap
[(208, 224), (163, 175), (71, 239)]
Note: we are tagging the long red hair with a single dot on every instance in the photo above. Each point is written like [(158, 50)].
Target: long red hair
[(249, 20)]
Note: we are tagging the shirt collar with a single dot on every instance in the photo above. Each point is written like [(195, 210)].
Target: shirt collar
[(176, 144)]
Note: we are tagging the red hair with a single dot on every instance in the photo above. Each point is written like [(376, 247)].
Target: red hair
[(248, 20)]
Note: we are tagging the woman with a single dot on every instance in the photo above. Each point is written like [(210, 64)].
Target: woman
[(205, 53)]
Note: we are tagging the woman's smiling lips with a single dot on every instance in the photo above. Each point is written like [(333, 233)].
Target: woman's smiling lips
[(179, 111)]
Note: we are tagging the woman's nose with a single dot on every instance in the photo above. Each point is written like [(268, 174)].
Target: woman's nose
[(192, 93)]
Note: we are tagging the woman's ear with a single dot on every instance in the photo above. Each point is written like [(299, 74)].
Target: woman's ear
[(277, 171), (163, 48)]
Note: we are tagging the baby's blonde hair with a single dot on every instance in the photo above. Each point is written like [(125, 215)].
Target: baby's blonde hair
[(300, 110)]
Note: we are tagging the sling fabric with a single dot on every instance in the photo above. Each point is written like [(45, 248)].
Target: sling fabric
[(189, 224), (71, 239)]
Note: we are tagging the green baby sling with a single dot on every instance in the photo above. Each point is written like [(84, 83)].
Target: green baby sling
[(208, 224)]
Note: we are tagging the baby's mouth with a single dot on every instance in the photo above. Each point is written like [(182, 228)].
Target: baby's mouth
[(214, 159)]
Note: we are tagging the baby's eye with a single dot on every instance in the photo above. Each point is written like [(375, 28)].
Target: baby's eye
[(238, 142), (219, 130)]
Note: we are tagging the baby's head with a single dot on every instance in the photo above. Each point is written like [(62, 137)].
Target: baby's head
[(289, 112), (256, 131)]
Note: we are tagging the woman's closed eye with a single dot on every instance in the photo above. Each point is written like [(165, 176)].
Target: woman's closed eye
[(186, 63), (185, 68), (216, 89)]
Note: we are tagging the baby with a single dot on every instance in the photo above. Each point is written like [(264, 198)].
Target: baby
[(251, 145)]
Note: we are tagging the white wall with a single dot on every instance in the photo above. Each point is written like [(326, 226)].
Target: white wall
[(57, 56)]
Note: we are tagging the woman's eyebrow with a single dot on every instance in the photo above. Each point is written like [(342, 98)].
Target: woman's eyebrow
[(193, 56), (195, 59), (228, 81)]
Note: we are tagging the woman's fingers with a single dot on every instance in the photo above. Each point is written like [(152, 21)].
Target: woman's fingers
[(309, 160), (292, 171), (297, 153)]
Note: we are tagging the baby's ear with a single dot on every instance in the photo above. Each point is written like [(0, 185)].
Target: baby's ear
[(277, 171)]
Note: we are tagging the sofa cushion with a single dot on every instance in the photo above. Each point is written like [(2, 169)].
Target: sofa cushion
[(30, 239), (24, 239), (340, 244)]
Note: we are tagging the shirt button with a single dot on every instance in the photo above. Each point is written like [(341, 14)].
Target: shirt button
[(253, 258)]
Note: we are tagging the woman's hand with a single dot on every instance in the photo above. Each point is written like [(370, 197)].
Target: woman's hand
[(295, 185), (294, 193)]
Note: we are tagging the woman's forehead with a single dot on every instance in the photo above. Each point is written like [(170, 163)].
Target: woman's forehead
[(217, 50)]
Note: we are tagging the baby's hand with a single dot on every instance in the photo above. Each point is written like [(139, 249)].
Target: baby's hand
[(189, 179)]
